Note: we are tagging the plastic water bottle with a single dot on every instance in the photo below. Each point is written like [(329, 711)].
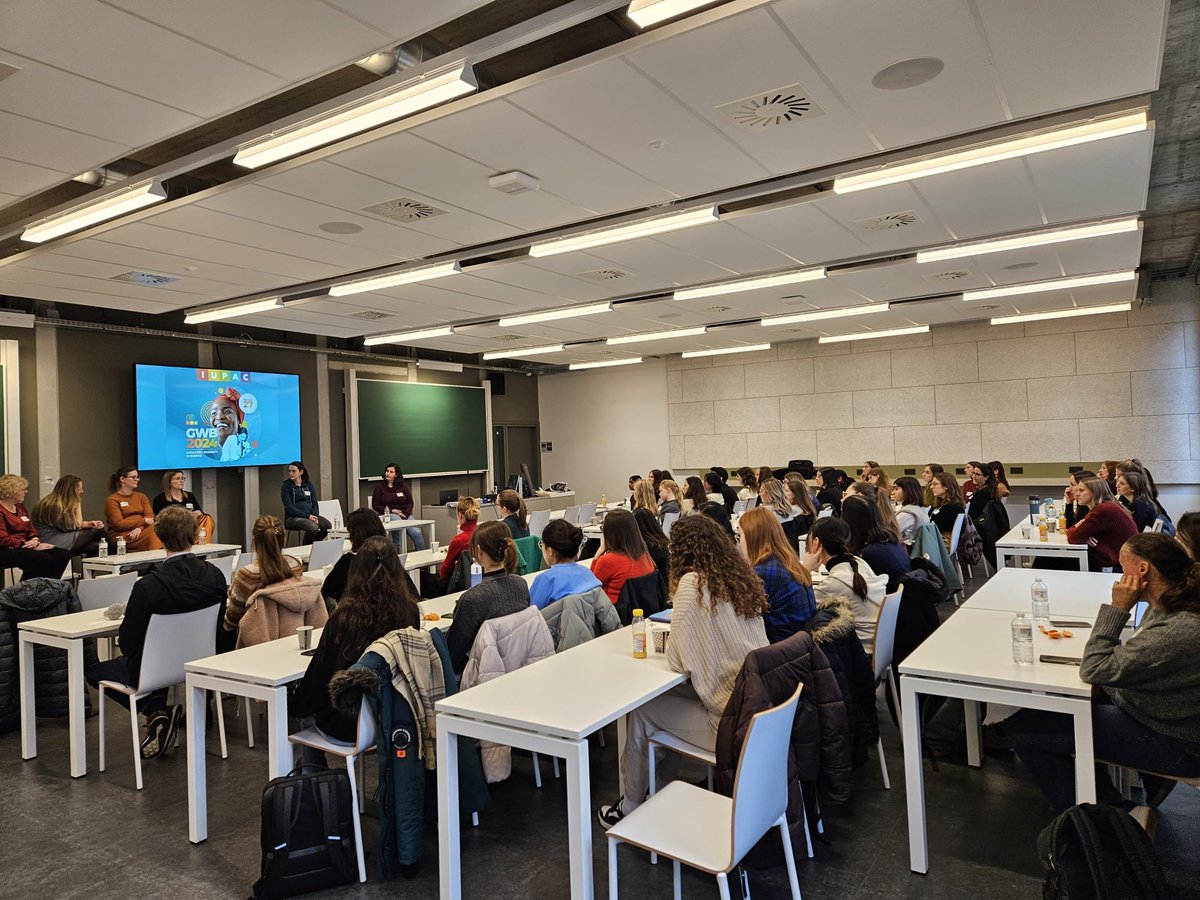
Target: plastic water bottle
[(1051, 517), (203, 535), (476, 574), (120, 546), (103, 551), (1035, 508), (1039, 594), (639, 635), (1022, 640)]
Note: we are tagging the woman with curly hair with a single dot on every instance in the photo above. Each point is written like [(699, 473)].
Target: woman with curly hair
[(718, 618)]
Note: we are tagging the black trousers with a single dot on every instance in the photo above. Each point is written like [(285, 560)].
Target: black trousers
[(115, 670)]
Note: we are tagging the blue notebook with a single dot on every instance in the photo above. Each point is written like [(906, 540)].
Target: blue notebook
[(664, 616)]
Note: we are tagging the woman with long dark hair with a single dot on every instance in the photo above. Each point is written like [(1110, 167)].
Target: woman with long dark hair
[(909, 502), (301, 508), (655, 540), (622, 553), (845, 575), (875, 541), (1133, 493), (829, 493), (695, 493), (361, 523), (716, 485), (392, 496)]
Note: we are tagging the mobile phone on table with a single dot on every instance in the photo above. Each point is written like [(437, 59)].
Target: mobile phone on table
[(1060, 660), (1064, 623), (309, 652)]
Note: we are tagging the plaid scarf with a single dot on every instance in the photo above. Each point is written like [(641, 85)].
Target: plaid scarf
[(418, 677)]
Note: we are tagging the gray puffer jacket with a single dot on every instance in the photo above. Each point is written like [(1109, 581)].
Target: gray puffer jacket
[(577, 618), (37, 598)]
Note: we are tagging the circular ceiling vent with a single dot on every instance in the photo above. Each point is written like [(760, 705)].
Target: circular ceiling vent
[(890, 221), (340, 227), (780, 106), (603, 275), (908, 73)]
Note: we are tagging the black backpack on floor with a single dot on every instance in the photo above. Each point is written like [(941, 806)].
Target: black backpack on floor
[(1097, 851), (307, 834)]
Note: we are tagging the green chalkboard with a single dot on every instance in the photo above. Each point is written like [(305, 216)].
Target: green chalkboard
[(427, 429)]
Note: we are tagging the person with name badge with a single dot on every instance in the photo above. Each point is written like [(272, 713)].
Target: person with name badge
[(225, 415), (59, 519), (20, 546), (174, 494), (393, 497), (300, 505), (129, 513)]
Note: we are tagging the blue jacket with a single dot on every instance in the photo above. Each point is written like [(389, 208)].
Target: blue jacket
[(296, 504), (789, 603)]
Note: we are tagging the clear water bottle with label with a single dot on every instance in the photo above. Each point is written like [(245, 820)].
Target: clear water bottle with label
[(102, 552), (1039, 594), (120, 546), (203, 536), (1022, 640), (476, 573)]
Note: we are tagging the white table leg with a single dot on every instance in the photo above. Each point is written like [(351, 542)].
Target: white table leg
[(1085, 759), (197, 764), (579, 819), (1081, 558), (281, 759), (449, 849), (914, 778), (75, 704), (622, 734), (971, 719), (28, 711)]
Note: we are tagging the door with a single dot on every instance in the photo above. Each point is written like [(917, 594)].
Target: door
[(521, 446)]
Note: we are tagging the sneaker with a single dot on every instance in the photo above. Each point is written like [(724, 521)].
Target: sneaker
[(154, 743), (172, 737), (610, 815), (1156, 788)]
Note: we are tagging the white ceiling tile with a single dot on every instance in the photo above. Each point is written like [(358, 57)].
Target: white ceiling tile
[(49, 146), (142, 260), (405, 18), (24, 178), (850, 211), (1067, 179), (989, 199), (724, 245), (153, 300), (105, 272)]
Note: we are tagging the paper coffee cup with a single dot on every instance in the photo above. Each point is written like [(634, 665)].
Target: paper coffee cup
[(304, 636)]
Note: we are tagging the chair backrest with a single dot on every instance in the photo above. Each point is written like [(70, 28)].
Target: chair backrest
[(172, 641), (102, 592), (1157, 526), (489, 512), (244, 559), (885, 632), (571, 514), (956, 532), (825, 513), (751, 502), (365, 738), (669, 520), (538, 519), (646, 592), (587, 512), (225, 565), (325, 553), (739, 507), (331, 510), (530, 553), (759, 791)]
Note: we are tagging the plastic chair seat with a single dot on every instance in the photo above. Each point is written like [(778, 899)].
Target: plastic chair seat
[(682, 747), (311, 737), (686, 823)]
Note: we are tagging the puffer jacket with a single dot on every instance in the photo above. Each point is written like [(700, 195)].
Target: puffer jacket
[(277, 610), (37, 598), (504, 645), (832, 627), (406, 787), (820, 746), (577, 618)]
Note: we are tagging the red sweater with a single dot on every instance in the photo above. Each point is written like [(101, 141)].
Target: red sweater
[(1111, 526), (458, 544), (15, 529), (614, 569)]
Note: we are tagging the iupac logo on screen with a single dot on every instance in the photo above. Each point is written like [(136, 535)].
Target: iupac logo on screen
[(222, 375)]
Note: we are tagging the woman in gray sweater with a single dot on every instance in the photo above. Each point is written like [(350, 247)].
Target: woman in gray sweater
[(1146, 711), (500, 593)]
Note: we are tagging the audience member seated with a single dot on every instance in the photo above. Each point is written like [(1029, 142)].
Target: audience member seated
[(645, 496), (874, 541), (501, 592), (59, 519), (1108, 472), (749, 483), (1072, 508), (718, 608), (1133, 493), (654, 477), (393, 496), (671, 499), (633, 481), (1001, 478), (362, 523), (715, 510), (515, 515), (1187, 533), (656, 542), (881, 502), (877, 477), (562, 576), (772, 497), (829, 494), (301, 510), (1136, 465), (270, 567), (990, 521), (970, 485), (378, 599), (1105, 528), (764, 472), (804, 513), (623, 553), (1146, 697), (20, 545), (129, 513), (927, 474), (790, 601), (842, 574), (173, 494), (183, 583), (467, 513), (947, 504), (694, 493), (716, 485), (908, 498), (866, 468)]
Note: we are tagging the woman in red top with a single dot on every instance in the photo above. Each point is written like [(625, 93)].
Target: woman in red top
[(1105, 528), (19, 542), (623, 553), (468, 518)]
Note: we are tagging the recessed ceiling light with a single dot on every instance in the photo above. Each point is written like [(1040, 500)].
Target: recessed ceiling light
[(750, 284), (406, 276), (748, 348), (552, 315), (515, 352), (232, 310), (340, 227), (1064, 313), (615, 234), (1057, 284), (110, 206), (908, 73), (820, 315), (867, 335), (1033, 239), (604, 363), (657, 335), (402, 336)]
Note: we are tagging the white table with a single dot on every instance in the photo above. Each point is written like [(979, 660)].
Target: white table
[(549, 707), (1073, 595), (970, 658), (402, 525), (114, 565), (66, 633), (1016, 544)]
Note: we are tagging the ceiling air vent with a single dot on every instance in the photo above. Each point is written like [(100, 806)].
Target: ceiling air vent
[(508, 337), (953, 275), (771, 108), (890, 221), (404, 209), (719, 309), (370, 315), (149, 279), (603, 275)]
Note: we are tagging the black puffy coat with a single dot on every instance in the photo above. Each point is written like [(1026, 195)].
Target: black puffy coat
[(832, 627), (37, 598)]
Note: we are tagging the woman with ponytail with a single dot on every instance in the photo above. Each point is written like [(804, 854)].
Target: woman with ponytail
[(1146, 709), (270, 566), (839, 573), (501, 592), (379, 598), (515, 515)]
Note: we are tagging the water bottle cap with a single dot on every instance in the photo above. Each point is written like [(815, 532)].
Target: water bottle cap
[(637, 612)]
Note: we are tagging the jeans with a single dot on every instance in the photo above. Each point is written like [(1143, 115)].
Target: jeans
[(313, 531), (416, 540), (1045, 742), (683, 715)]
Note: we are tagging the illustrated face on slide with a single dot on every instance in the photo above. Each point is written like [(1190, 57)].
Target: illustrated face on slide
[(223, 417)]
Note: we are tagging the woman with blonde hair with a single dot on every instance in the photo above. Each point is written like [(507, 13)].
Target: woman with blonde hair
[(59, 519), (644, 496), (672, 499), (20, 546), (467, 513), (790, 599), (771, 496), (270, 567)]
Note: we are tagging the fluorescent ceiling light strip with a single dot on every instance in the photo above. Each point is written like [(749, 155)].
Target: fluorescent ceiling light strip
[(410, 276), (1060, 284), (644, 13), (232, 311), (657, 335), (821, 315), (750, 284), (1064, 313), (407, 98), (605, 363), (588, 309), (402, 336), (108, 207), (691, 354), (866, 335), (1012, 148), (1037, 239), (523, 351), (616, 234)]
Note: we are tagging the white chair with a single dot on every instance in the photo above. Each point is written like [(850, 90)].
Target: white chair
[(668, 522), (538, 520), (364, 742), (955, 536), (881, 660), (102, 592), (571, 514), (331, 510), (587, 512), (225, 564), (739, 507), (1157, 527), (172, 641), (489, 512), (825, 513), (751, 502), (244, 559), (325, 553), (712, 832)]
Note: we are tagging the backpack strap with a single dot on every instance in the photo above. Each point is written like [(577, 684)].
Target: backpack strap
[(1139, 853), (341, 845), (1090, 840)]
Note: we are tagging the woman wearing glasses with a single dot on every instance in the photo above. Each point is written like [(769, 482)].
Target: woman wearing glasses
[(563, 575)]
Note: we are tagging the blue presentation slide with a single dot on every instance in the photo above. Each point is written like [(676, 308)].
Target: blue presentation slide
[(211, 418)]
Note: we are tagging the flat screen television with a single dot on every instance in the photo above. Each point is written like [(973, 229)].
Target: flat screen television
[(215, 418)]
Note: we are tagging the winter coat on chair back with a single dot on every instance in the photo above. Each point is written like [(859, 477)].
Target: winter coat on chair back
[(577, 618), (277, 610)]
